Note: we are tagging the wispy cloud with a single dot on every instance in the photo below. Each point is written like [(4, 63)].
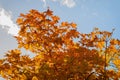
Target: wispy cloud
[(7, 23), (95, 14), (44, 1), (68, 3)]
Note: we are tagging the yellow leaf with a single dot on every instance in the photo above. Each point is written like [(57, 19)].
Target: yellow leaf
[(2, 73), (100, 45), (9, 71), (26, 46), (116, 62), (23, 77), (34, 78)]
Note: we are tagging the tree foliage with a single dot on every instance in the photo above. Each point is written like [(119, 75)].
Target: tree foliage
[(61, 52)]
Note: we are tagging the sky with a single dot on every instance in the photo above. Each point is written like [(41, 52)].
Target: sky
[(87, 14)]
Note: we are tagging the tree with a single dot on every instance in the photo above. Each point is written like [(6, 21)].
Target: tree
[(61, 52)]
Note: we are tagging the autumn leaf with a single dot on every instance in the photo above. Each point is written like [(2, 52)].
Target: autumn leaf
[(19, 20), (55, 18), (49, 12), (64, 24), (100, 45), (73, 25), (34, 78)]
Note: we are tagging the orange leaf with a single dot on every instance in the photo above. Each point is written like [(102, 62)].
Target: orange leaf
[(49, 12), (34, 78), (19, 20), (64, 23), (55, 18), (73, 25)]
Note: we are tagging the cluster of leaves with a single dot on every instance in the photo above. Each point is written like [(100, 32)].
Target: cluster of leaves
[(58, 56)]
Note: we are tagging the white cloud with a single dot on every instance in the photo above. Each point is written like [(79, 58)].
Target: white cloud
[(95, 14), (54, 0), (68, 3), (44, 1), (7, 23)]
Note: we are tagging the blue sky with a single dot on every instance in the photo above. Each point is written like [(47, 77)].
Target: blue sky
[(104, 14)]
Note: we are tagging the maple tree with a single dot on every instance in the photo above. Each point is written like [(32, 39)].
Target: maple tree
[(61, 52)]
